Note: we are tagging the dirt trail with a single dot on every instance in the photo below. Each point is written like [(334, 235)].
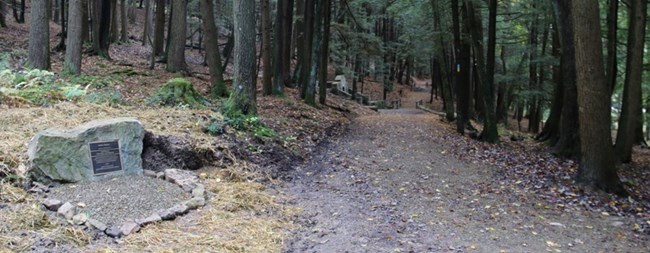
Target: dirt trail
[(388, 186)]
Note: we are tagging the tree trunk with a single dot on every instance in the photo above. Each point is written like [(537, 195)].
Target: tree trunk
[(63, 22), (243, 96), (3, 22), (502, 92), (101, 13), (85, 25), (176, 51), (310, 93), (212, 54), (115, 28), (612, 29), (282, 46), (39, 36), (445, 88), (123, 31), (266, 48), (462, 72), (297, 38), (489, 133), (597, 165), (550, 132), (147, 13), (72, 62), (568, 144), (324, 58), (307, 45), (629, 120), (159, 32)]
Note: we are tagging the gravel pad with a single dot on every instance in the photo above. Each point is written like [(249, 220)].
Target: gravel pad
[(120, 199)]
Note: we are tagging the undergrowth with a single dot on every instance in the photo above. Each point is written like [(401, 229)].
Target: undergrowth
[(178, 92)]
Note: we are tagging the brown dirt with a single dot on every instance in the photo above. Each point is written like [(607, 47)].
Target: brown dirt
[(389, 185)]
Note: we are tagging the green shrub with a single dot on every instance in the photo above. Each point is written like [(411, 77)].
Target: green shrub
[(178, 92), (106, 96)]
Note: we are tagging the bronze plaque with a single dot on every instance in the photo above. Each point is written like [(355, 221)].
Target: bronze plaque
[(105, 157)]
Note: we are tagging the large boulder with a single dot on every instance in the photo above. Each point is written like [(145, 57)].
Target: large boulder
[(64, 155)]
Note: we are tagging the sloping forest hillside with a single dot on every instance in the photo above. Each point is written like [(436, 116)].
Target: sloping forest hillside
[(333, 125)]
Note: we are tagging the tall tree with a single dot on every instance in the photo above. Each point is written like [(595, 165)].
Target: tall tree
[(462, 69), (18, 11), (612, 29), (213, 57), (176, 50), (39, 36), (629, 120), (72, 62), (597, 165), (282, 45), (324, 57), (305, 50), (101, 13), (2, 15), (266, 48), (485, 70), (124, 21), (159, 32), (568, 143), (243, 97), (115, 28)]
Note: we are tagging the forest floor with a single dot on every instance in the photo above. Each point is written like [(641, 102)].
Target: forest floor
[(400, 181), (392, 184)]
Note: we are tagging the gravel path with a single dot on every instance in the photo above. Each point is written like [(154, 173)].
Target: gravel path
[(122, 198), (386, 186)]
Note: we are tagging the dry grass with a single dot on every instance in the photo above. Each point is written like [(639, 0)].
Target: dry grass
[(241, 216), (19, 125)]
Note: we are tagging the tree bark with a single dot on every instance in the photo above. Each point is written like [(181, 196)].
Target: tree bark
[(307, 45), (462, 72), (72, 62), (597, 165), (39, 36), (3, 22), (282, 46), (212, 54), (101, 14), (612, 29), (147, 13), (324, 58), (629, 120), (123, 19), (266, 48), (115, 28), (568, 144), (176, 51), (159, 32), (243, 96)]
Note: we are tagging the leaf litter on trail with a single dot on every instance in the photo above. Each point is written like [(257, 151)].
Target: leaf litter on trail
[(528, 168)]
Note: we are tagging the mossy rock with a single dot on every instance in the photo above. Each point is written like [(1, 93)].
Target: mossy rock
[(178, 92)]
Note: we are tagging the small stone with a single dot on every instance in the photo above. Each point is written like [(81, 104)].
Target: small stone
[(151, 219), (113, 231), (81, 204), (180, 209), (67, 210), (183, 178), (195, 203), (96, 224), (617, 223), (52, 204), (160, 175), (198, 191), (39, 188), (150, 173), (79, 218), (129, 227), (167, 214)]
